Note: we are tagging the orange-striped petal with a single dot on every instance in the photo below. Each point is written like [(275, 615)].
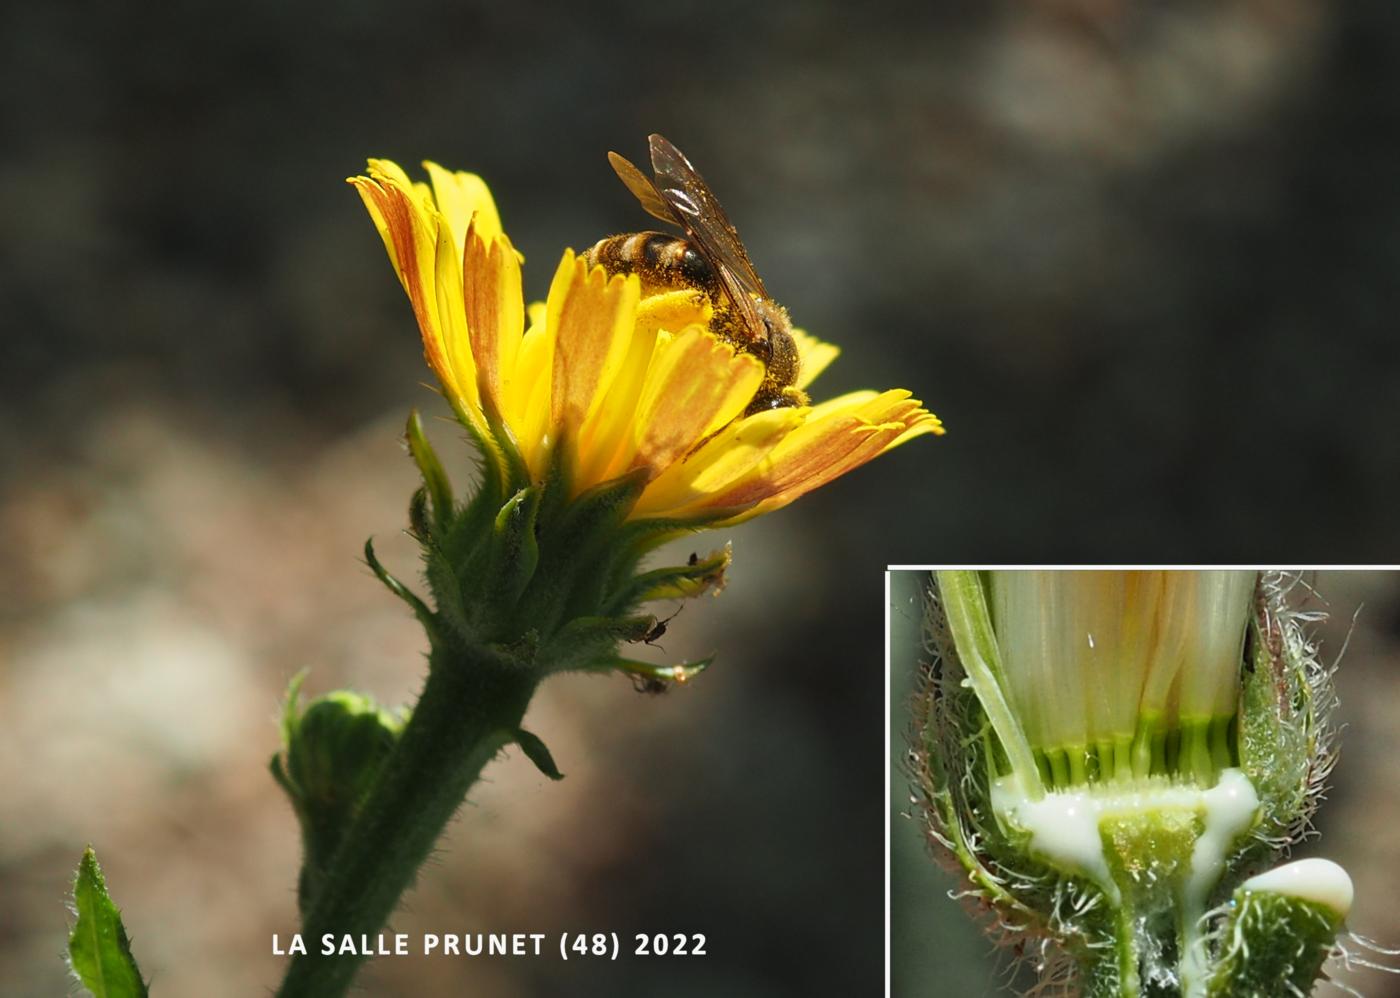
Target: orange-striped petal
[(451, 327), (608, 441), (836, 438), (422, 254), (591, 317), (495, 313), (718, 463), (695, 386)]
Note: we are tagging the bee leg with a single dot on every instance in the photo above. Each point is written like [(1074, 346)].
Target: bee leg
[(782, 398)]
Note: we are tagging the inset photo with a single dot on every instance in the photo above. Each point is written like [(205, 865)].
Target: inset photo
[(1131, 782)]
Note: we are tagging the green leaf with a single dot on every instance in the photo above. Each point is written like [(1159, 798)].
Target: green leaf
[(98, 950), (537, 753)]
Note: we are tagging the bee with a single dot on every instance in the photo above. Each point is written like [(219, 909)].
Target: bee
[(710, 260)]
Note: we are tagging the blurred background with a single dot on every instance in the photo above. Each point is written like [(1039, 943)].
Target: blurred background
[(937, 950), (1138, 256)]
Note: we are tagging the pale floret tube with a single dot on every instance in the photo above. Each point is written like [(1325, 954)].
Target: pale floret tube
[(1107, 755)]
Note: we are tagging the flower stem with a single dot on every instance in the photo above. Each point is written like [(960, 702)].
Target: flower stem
[(471, 706)]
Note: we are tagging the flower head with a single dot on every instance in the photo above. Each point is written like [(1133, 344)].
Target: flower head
[(598, 383)]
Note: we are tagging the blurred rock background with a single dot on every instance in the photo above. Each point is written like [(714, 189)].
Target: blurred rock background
[(937, 950), (1139, 257)]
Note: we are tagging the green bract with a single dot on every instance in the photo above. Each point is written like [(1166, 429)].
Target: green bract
[(550, 583)]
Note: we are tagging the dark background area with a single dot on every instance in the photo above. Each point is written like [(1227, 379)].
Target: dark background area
[(1138, 257)]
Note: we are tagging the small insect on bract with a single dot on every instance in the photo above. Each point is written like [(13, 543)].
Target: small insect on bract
[(658, 629), (709, 259), (650, 685)]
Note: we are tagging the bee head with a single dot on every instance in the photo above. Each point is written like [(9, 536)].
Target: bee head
[(779, 351), (774, 318)]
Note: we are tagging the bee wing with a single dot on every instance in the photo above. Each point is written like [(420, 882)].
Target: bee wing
[(644, 190), (695, 209), (743, 301)]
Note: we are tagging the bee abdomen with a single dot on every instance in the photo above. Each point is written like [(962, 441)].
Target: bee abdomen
[(662, 261)]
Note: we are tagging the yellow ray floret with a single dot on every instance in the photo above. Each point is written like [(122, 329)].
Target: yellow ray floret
[(604, 380)]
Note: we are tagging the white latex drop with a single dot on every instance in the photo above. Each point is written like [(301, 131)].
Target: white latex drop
[(1318, 880), (1064, 829), (1230, 808)]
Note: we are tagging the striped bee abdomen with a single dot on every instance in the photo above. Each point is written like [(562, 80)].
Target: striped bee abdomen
[(664, 263)]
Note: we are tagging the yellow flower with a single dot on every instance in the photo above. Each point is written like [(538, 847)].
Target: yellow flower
[(604, 380)]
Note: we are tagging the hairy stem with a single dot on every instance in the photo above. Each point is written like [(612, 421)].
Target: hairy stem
[(471, 706)]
